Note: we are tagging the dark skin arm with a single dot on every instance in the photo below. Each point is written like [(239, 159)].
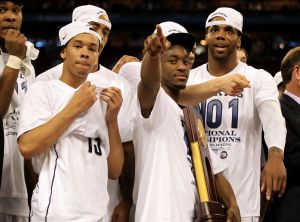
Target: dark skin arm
[(273, 176), (227, 197), (232, 85), (14, 45), (151, 71), (113, 97), (126, 181)]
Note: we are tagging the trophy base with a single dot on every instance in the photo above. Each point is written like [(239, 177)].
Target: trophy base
[(210, 212)]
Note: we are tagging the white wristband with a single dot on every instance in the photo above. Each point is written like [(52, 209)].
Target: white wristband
[(14, 62)]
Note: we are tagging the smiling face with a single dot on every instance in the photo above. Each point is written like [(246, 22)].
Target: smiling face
[(80, 56), (175, 64), (10, 17), (222, 41)]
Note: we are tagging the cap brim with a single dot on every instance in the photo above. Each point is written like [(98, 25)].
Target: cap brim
[(185, 39)]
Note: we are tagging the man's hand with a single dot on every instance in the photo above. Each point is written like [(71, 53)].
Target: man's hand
[(113, 97), (273, 177), (122, 212), (233, 214), (83, 98), (233, 85), (123, 60), (15, 43), (156, 43)]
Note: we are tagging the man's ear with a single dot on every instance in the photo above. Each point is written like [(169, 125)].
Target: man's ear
[(296, 72), (239, 42), (63, 53)]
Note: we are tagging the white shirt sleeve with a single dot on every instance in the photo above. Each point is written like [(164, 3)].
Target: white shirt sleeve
[(273, 123), (35, 109), (158, 112)]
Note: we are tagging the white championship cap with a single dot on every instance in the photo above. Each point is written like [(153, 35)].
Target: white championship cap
[(177, 34), (230, 15), (278, 78), (70, 30), (90, 13)]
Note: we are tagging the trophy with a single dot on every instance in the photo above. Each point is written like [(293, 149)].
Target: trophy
[(209, 209)]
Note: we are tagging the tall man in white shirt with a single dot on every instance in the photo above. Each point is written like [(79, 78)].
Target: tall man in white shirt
[(234, 124), (164, 188)]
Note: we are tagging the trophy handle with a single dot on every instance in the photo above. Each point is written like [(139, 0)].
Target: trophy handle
[(209, 208)]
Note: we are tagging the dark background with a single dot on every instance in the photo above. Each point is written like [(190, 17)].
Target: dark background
[(274, 26)]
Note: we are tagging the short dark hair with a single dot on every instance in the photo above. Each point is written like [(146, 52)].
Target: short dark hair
[(287, 65)]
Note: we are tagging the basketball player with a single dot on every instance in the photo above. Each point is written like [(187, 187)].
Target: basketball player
[(234, 124), (164, 187), (16, 74), (64, 127), (102, 78)]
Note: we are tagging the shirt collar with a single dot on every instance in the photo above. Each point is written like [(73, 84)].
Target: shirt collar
[(294, 97)]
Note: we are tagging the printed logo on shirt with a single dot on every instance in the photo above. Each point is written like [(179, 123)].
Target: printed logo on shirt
[(223, 155), (10, 123), (21, 84), (214, 113)]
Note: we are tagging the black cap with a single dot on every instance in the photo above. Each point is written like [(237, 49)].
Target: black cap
[(185, 39)]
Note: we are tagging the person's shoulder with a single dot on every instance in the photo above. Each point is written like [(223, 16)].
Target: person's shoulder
[(105, 76), (199, 68), (255, 74), (53, 73), (131, 70)]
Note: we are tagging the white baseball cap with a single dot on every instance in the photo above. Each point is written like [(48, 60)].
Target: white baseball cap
[(67, 32), (177, 34), (230, 15), (278, 78), (90, 13)]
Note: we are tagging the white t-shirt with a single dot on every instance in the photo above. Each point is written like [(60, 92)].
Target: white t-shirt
[(104, 78), (131, 71), (13, 192), (164, 187), (233, 127), (73, 176)]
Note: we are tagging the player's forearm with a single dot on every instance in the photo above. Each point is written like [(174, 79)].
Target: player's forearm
[(149, 84), (115, 159), (126, 180), (7, 86), (41, 138), (224, 191), (194, 94)]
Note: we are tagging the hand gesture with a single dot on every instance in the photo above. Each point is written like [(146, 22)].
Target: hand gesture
[(83, 98), (234, 85), (15, 43), (113, 97), (156, 43), (273, 176)]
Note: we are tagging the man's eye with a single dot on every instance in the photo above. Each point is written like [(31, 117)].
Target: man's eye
[(3, 10)]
